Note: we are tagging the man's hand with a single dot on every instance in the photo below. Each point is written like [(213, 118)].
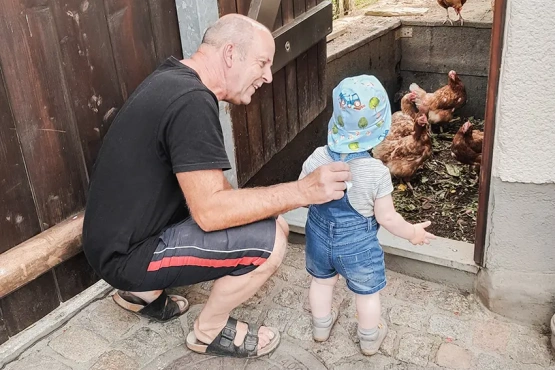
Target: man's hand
[(421, 236), (326, 183)]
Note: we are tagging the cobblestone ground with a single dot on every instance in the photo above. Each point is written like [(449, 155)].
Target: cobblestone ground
[(431, 327)]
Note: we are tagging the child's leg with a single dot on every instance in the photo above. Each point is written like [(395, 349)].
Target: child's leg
[(372, 329), (320, 297), (368, 310)]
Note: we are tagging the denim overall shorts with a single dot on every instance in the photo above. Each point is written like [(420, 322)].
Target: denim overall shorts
[(339, 240)]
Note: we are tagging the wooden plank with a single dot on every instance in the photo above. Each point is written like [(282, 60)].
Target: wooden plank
[(35, 256), (312, 66), (89, 69), (288, 15), (165, 27), (29, 304), (280, 109), (243, 6), (303, 92), (267, 113), (254, 119), (132, 42), (18, 219), (280, 98), (279, 19), (267, 120), (74, 276), (226, 7), (255, 136), (32, 65), (322, 64), (238, 115)]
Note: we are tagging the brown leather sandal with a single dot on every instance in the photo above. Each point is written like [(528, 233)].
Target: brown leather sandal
[(162, 309)]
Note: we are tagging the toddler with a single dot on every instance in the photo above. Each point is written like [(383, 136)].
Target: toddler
[(341, 236)]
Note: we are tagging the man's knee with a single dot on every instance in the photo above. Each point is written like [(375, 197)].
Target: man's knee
[(283, 225), (280, 246)]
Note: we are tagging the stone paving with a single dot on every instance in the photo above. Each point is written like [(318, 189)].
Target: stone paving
[(431, 327)]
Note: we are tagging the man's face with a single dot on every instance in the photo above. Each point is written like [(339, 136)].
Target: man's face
[(248, 74)]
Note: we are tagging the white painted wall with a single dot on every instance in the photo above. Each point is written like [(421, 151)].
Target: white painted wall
[(525, 130), (519, 279)]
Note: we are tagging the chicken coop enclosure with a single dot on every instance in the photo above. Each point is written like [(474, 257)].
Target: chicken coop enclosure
[(420, 51)]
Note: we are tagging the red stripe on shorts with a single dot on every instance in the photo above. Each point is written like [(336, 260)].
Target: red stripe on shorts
[(204, 262)]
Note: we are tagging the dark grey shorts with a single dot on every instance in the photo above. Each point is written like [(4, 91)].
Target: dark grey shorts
[(187, 255)]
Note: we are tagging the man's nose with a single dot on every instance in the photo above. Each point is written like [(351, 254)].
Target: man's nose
[(267, 76)]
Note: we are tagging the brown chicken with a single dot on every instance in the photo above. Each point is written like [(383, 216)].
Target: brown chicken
[(441, 104), (455, 4), (408, 106), (403, 125), (467, 146), (404, 155), (402, 122)]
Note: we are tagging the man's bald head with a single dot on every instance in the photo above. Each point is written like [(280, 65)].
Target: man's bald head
[(233, 28)]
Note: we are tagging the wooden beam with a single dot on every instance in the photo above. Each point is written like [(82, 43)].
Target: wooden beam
[(32, 258)]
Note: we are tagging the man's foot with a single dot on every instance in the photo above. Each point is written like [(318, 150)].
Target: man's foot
[(161, 307), (151, 296), (235, 339), (265, 335)]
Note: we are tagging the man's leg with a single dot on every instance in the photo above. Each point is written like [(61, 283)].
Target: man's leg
[(230, 291)]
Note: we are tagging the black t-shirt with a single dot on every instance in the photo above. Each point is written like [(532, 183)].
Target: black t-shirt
[(169, 124)]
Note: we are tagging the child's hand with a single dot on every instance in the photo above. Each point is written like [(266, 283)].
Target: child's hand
[(421, 236)]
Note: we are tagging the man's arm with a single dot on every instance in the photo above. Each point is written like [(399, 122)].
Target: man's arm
[(215, 205)]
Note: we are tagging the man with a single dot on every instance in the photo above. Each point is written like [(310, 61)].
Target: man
[(160, 211)]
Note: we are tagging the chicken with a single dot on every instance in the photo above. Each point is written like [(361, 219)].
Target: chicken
[(455, 4), (467, 146), (403, 125), (404, 155), (441, 104), (407, 105)]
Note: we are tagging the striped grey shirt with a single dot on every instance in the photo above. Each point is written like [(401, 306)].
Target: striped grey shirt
[(371, 179)]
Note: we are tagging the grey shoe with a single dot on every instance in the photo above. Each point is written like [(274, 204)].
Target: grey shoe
[(322, 334), (370, 347)]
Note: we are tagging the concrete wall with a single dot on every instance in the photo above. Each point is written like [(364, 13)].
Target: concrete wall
[(519, 279), (429, 53)]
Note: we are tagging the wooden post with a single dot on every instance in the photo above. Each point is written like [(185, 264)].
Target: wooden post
[(340, 8), (32, 258), (349, 6)]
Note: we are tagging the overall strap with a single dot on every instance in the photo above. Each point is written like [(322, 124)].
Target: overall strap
[(337, 156)]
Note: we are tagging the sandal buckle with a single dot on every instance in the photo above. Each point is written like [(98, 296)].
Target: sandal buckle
[(250, 342), (229, 333)]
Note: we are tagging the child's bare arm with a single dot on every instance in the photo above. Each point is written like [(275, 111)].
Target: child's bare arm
[(385, 213)]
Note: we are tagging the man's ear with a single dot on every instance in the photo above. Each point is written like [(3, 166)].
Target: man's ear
[(228, 52)]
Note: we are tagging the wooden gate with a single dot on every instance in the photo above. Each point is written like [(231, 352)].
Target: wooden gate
[(279, 110), (64, 65)]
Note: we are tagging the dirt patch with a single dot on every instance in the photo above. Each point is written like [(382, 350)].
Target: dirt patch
[(445, 191)]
